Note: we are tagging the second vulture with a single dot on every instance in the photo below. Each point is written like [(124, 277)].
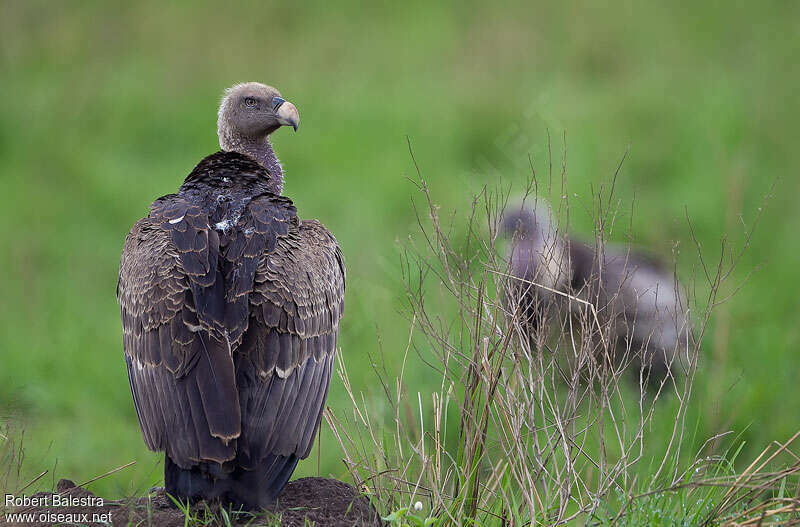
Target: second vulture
[(230, 313), (636, 298)]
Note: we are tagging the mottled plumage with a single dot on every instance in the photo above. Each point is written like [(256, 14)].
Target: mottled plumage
[(230, 310)]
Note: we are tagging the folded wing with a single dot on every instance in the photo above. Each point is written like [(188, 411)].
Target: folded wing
[(179, 360)]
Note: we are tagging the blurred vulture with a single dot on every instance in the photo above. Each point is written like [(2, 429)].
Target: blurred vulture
[(230, 313), (635, 297)]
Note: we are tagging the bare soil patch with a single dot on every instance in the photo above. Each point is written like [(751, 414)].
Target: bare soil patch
[(307, 501)]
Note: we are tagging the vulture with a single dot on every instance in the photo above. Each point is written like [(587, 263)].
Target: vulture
[(230, 313), (634, 295), (538, 254)]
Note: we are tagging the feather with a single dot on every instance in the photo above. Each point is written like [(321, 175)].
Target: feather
[(229, 335)]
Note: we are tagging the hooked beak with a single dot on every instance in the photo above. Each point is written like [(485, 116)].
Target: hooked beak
[(287, 115)]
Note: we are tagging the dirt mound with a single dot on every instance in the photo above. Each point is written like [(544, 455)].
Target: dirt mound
[(307, 501), (325, 502)]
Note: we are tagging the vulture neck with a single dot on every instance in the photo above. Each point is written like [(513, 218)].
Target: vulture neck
[(259, 149)]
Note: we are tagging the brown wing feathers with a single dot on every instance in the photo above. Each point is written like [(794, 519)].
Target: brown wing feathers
[(288, 353), (264, 220), (179, 361), (266, 295)]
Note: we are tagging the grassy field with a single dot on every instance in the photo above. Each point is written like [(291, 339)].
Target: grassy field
[(106, 107)]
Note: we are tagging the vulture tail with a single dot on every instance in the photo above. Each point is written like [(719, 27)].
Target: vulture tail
[(260, 488), (193, 484), (245, 489)]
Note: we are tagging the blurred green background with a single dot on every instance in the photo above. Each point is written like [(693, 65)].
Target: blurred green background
[(106, 106)]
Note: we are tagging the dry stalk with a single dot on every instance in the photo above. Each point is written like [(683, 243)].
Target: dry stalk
[(527, 429)]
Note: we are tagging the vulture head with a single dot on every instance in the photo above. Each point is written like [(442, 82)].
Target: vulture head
[(248, 114), (251, 111), (539, 252)]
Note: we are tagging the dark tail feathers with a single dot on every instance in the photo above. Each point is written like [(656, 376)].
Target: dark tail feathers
[(246, 489)]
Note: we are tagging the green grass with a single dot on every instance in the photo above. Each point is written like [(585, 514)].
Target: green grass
[(106, 107)]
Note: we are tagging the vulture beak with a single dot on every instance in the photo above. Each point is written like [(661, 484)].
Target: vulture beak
[(288, 115)]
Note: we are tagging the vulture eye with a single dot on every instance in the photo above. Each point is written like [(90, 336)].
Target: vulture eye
[(250, 102), (276, 102)]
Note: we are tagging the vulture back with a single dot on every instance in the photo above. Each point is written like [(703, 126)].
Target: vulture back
[(230, 309)]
